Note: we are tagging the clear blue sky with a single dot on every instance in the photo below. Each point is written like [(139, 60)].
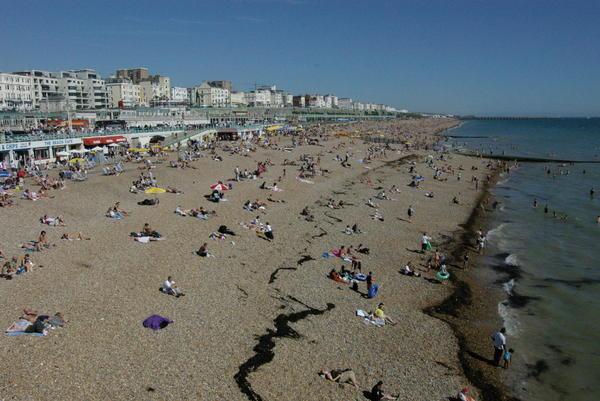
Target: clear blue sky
[(480, 57)]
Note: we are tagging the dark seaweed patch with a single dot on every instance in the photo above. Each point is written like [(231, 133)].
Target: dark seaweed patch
[(263, 350)]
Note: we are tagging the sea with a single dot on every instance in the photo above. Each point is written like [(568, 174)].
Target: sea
[(545, 259)]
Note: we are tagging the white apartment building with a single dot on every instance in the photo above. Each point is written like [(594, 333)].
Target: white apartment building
[(317, 101), (261, 97), (331, 101), (209, 95), (179, 95), (155, 89), (288, 100), (94, 87), (238, 99), (122, 92), (45, 88), (81, 89), (16, 92), (277, 98), (345, 103)]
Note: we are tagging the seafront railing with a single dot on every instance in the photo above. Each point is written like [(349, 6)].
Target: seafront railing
[(15, 138)]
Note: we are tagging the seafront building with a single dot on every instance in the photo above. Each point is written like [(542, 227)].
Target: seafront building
[(123, 93), (212, 94), (16, 92)]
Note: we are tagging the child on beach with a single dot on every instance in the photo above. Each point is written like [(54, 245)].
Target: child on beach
[(507, 357)]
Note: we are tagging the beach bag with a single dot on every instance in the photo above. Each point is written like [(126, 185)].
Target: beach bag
[(373, 291)]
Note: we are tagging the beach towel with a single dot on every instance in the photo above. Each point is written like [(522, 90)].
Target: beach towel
[(368, 319), (19, 329), (305, 180), (156, 322)]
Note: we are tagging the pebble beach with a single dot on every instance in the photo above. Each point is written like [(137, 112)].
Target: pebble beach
[(260, 318)]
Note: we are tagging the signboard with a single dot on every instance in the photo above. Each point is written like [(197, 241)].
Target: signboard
[(38, 144)]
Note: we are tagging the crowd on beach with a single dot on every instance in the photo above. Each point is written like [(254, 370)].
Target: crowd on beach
[(431, 262)]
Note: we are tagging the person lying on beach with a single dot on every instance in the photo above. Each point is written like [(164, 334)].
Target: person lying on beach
[(78, 236), (377, 216), (170, 288), (394, 189), (149, 202), (173, 190), (408, 270), (182, 212), (348, 230), (363, 249), (341, 376), (270, 199), (372, 204), (223, 229), (382, 196), (377, 393), (52, 221)]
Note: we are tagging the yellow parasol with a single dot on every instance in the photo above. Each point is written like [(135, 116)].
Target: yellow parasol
[(155, 190), (77, 160)]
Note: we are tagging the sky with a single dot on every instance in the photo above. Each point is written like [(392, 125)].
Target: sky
[(482, 57)]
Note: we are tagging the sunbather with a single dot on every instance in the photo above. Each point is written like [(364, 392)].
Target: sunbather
[(341, 376), (78, 236)]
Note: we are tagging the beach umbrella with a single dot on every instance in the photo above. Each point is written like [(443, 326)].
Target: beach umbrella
[(77, 160), (112, 145), (97, 149), (62, 153), (219, 186), (155, 190)]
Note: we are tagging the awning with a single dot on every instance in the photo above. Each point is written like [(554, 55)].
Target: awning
[(103, 140)]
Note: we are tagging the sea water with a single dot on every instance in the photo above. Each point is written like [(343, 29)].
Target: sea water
[(548, 264)]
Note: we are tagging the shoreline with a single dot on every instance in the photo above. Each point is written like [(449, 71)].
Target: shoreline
[(465, 308)]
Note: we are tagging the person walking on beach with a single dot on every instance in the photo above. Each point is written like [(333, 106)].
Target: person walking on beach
[(499, 341), (410, 212), (425, 244)]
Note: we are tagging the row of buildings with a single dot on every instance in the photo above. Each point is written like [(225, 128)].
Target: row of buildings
[(136, 87)]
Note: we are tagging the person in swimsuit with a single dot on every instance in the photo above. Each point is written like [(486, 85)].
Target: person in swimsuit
[(341, 376)]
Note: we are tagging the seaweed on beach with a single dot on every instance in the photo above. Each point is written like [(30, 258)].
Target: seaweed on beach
[(304, 259), (264, 349), (274, 274)]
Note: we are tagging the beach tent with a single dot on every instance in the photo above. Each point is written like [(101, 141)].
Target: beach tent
[(155, 190), (219, 187)]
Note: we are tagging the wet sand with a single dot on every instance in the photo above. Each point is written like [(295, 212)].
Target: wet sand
[(255, 322)]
